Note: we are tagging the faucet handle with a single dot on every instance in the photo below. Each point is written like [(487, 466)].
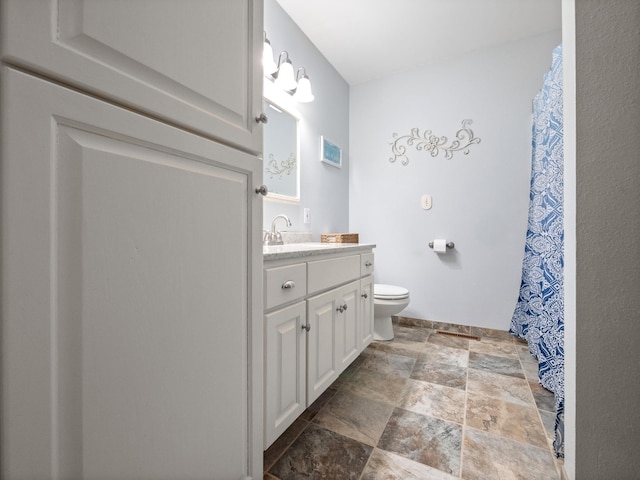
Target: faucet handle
[(266, 237)]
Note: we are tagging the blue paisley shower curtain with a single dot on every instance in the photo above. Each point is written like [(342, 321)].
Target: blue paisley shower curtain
[(539, 314)]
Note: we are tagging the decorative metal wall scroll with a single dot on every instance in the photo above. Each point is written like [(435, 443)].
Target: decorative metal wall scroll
[(432, 143), (284, 168)]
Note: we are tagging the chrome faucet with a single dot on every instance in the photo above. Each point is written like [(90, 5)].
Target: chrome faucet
[(274, 237)]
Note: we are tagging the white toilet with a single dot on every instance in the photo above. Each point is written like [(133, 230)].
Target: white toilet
[(388, 300)]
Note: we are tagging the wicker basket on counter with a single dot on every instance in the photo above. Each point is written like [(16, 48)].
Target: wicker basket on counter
[(339, 238)]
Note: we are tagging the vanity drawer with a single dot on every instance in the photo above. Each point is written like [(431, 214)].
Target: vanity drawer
[(366, 264), (329, 273), (284, 284)]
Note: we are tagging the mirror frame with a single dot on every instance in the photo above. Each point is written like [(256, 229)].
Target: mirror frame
[(283, 101)]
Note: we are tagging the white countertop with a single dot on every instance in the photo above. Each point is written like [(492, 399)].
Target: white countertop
[(295, 250)]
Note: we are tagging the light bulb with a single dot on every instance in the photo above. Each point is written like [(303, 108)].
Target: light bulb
[(303, 92), (268, 64), (286, 79)]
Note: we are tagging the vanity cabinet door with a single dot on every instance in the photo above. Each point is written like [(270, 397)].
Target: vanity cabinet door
[(333, 341), (131, 338), (284, 369), (322, 365), (191, 63), (366, 312), (347, 343)]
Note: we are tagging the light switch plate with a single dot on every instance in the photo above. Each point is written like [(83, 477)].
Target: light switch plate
[(425, 201)]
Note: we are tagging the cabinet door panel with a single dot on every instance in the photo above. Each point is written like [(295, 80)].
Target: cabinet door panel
[(366, 312), (322, 368), (203, 71), (127, 311), (285, 369), (347, 340)]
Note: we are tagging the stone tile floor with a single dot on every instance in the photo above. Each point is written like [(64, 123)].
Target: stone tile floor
[(426, 406)]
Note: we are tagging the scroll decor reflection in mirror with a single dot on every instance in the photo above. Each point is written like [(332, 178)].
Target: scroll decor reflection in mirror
[(281, 149)]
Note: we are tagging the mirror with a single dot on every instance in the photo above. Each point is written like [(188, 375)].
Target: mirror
[(281, 146)]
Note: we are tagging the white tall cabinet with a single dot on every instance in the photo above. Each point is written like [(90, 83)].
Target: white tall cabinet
[(132, 334)]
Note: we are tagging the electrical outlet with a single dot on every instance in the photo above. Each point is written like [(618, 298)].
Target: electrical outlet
[(306, 215), (425, 201)]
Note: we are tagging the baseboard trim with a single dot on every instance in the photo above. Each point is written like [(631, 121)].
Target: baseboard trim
[(453, 327)]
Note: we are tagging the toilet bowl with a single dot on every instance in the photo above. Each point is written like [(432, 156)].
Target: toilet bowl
[(388, 300)]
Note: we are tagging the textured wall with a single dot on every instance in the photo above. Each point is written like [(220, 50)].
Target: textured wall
[(607, 280)]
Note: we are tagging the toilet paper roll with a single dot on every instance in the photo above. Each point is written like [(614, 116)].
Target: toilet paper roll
[(440, 245)]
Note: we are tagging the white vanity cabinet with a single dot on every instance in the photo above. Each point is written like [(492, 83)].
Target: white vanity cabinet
[(132, 312), (313, 330)]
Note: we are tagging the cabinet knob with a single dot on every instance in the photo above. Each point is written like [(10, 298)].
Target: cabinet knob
[(340, 309), (367, 264), (262, 190), (262, 118), (288, 284), (344, 307), (306, 327), (364, 295)]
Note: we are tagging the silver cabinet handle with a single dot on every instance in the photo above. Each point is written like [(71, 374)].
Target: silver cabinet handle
[(306, 327), (262, 118), (340, 309), (367, 264), (344, 306), (262, 190), (288, 284), (364, 295)]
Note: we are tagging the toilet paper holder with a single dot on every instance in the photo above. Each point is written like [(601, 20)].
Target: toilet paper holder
[(449, 245)]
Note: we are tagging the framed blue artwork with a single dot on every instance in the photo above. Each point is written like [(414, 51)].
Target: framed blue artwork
[(330, 153)]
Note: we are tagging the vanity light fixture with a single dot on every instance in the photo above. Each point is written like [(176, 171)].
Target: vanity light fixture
[(282, 73), (303, 92), (285, 78), (268, 64)]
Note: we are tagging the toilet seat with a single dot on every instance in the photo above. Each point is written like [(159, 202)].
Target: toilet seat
[(389, 292)]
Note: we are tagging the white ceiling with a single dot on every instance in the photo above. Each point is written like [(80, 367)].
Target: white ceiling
[(369, 39)]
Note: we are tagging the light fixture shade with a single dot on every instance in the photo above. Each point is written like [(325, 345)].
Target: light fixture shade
[(268, 64), (303, 92), (286, 78)]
